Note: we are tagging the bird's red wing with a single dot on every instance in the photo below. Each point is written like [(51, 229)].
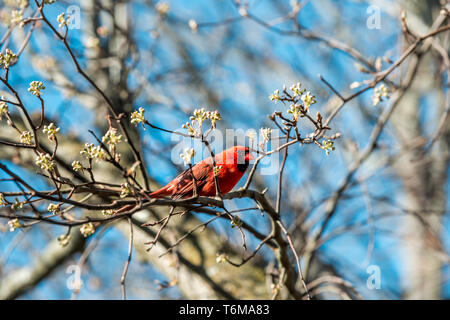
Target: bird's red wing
[(185, 184)]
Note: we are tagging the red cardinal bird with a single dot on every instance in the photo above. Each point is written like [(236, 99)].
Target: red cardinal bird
[(232, 163)]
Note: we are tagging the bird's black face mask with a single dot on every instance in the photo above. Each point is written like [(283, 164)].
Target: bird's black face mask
[(242, 160)]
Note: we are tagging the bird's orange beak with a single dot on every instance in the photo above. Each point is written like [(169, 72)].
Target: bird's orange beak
[(250, 157)]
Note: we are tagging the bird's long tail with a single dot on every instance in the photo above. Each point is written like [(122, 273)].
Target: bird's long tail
[(161, 193)]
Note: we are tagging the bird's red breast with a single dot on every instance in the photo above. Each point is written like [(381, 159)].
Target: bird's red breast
[(231, 163)]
